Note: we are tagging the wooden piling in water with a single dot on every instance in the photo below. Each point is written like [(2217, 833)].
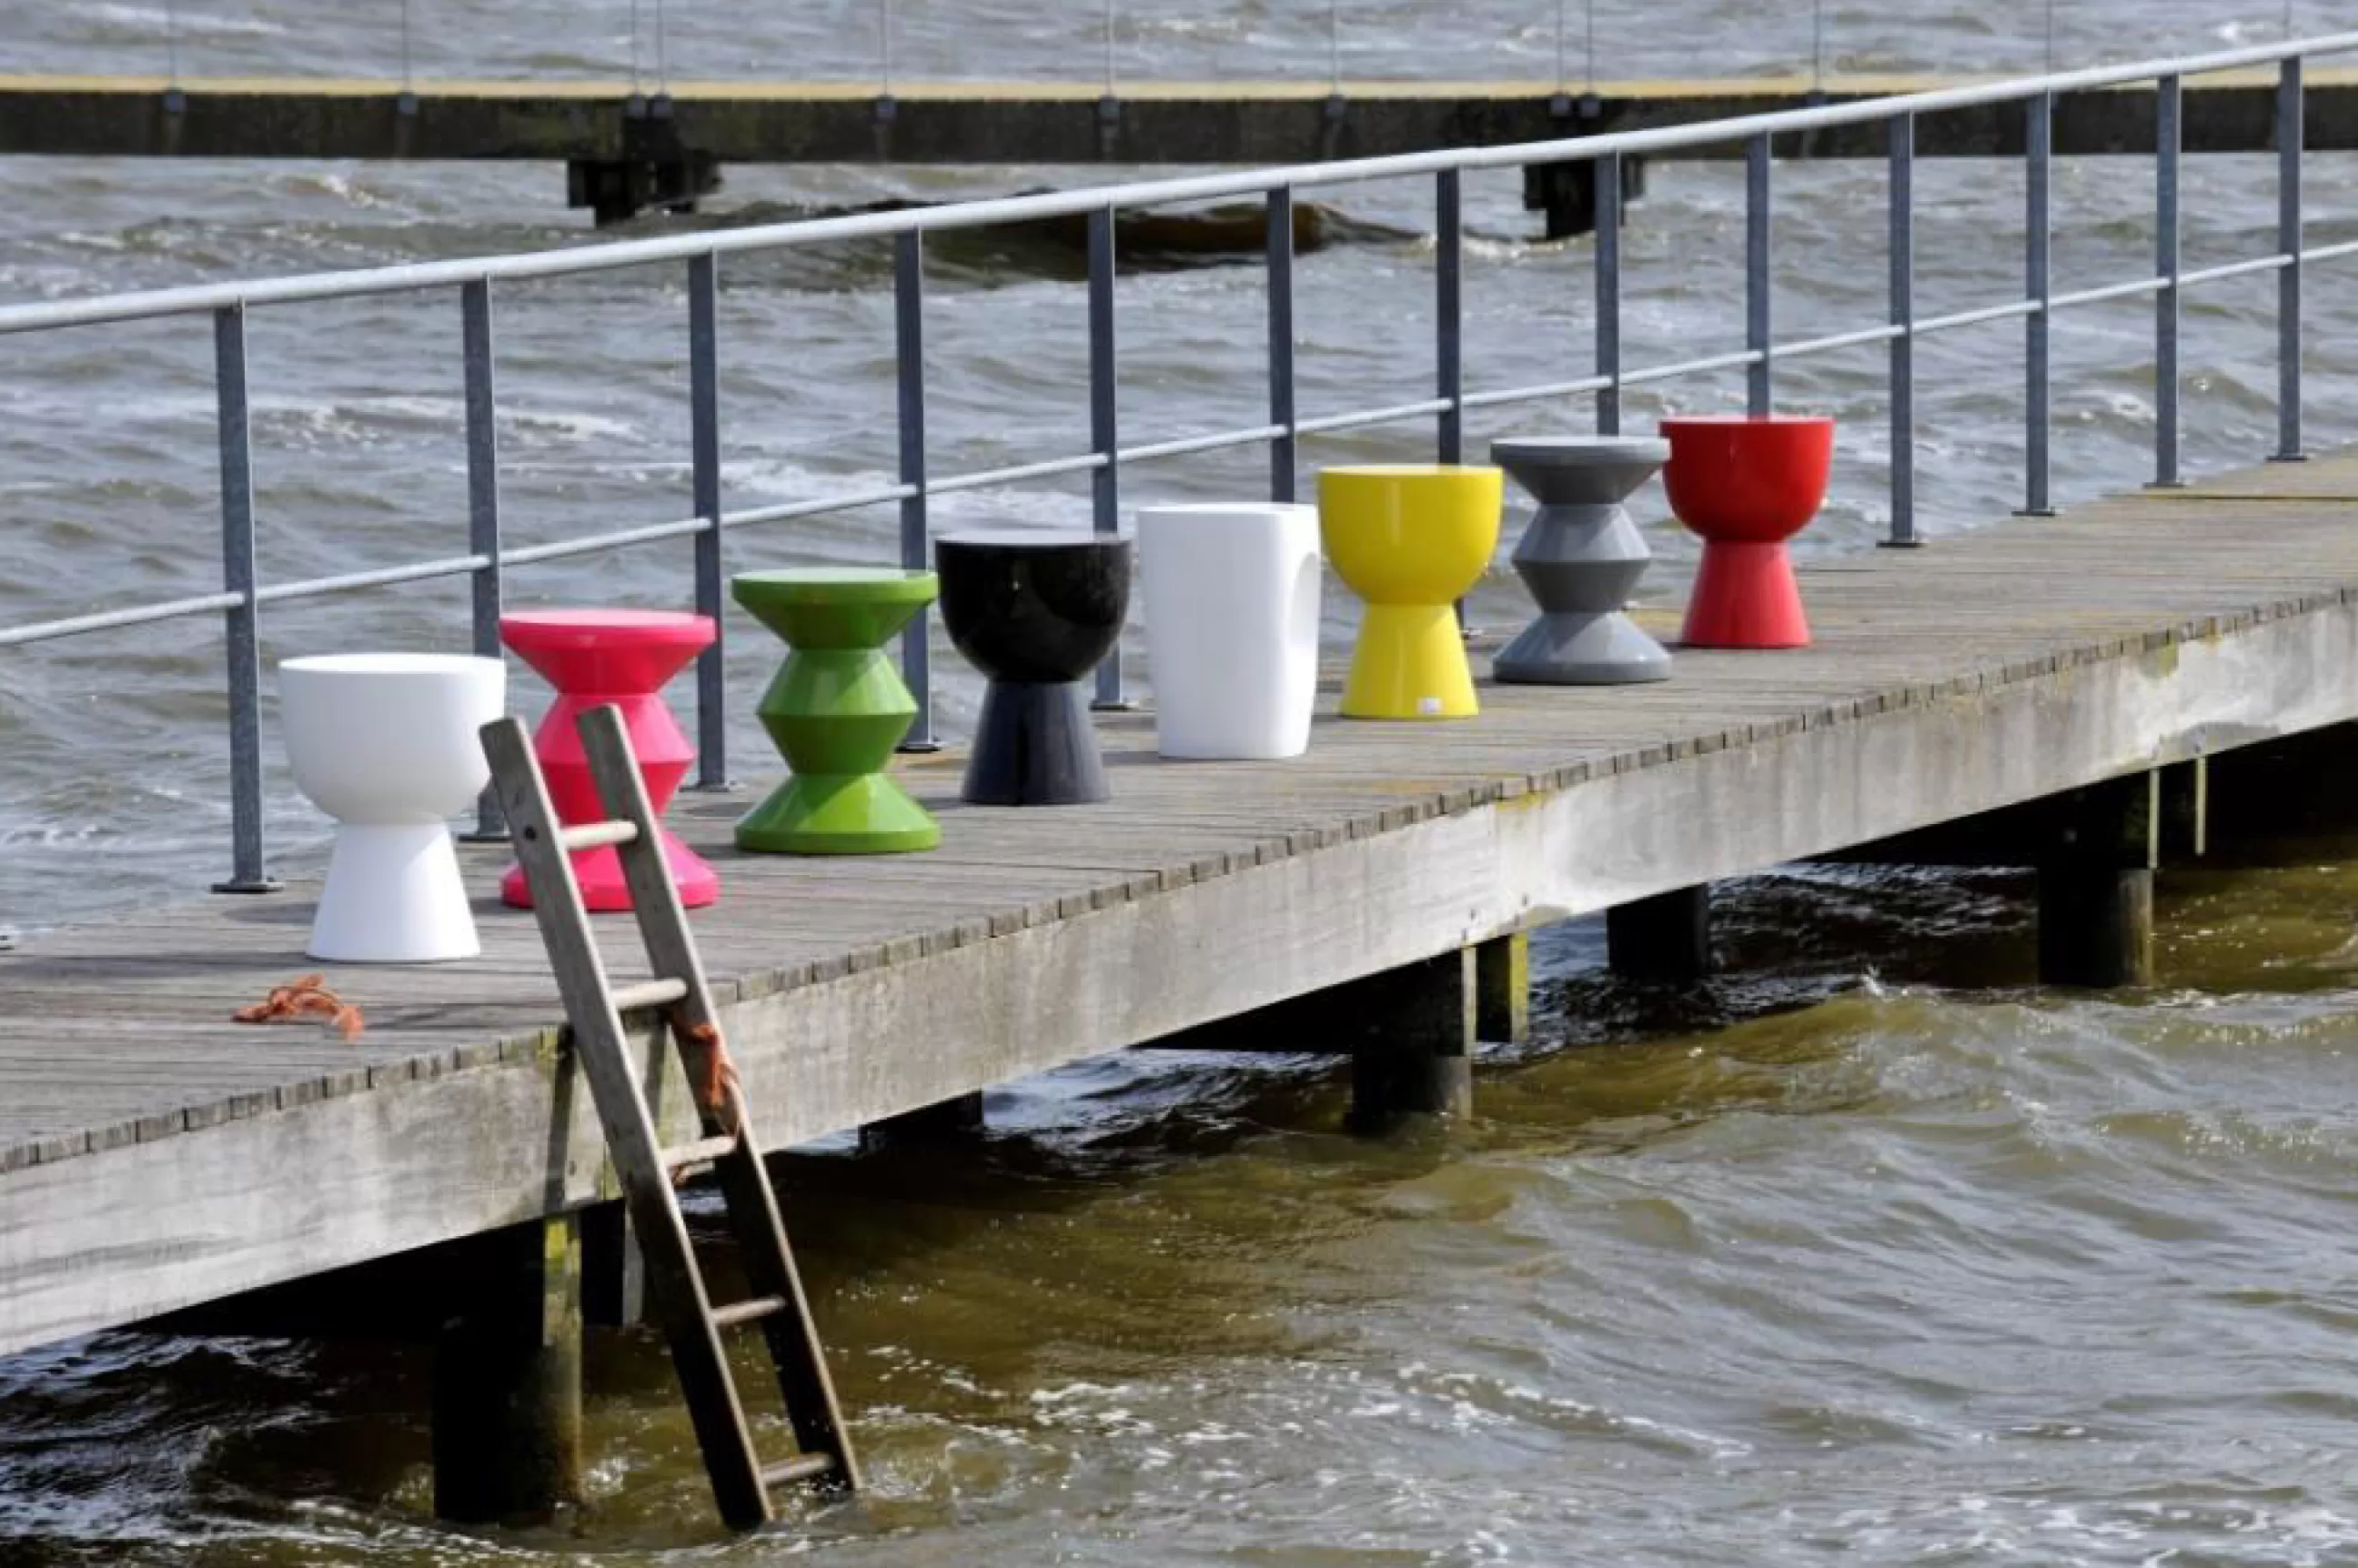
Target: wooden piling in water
[(1663, 938), (2095, 887), (1416, 1054), (1410, 1031), (1502, 988), (507, 1383)]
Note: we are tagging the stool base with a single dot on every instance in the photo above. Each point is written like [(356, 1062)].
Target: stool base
[(604, 891), (1035, 746), (1746, 597), (838, 814), (1571, 649), (393, 896), (1410, 663)]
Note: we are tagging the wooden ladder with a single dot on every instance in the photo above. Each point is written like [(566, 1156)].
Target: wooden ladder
[(741, 1483)]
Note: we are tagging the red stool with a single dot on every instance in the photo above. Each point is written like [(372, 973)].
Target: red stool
[(622, 657), (1745, 485)]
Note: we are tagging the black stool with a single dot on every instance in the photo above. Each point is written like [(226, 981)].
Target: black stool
[(1034, 609)]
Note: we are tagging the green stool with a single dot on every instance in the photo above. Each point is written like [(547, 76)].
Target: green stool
[(836, 710)]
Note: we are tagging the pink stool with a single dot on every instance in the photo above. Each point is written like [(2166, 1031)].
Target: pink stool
[(622, 657)]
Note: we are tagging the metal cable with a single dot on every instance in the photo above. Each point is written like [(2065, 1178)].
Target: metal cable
[(2051, 35), (1588, 48), (1108, 48), (884, 48), (635, 49), (1563, 75), (1817, 46), (405, 82), (1334, 47), (172, 41), (663, 62)]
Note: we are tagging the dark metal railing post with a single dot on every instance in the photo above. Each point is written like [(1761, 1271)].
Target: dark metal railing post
[(704, 438), (2290, 137), (2038, 289), (2169, 104), (1757, 385), (486, 582), (917, 539), (1902, 197), (1449, 315), (1105, 425), (1281, 479), (241, 621), (1608, 293)]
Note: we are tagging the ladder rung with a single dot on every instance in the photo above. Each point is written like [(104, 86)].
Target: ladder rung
[(703, 1151), (752, 1311), (598, 835), (801, 1467), (648, 993)]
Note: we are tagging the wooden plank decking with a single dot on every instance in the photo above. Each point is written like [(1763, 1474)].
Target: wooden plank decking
[(153, 1154)]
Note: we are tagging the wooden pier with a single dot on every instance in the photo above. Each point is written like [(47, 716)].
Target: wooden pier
[(155, 1155), (628, 148)]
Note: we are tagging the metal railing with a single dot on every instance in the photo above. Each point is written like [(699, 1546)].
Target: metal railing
[(487, 560)]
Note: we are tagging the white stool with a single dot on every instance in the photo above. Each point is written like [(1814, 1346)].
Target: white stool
[(1231, 601), (385, 743)]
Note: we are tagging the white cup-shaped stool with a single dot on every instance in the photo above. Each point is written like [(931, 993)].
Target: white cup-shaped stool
[(385, 743), (1231, 600)]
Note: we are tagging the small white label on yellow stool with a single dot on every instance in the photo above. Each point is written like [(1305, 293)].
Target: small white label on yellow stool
[(1428, 706)]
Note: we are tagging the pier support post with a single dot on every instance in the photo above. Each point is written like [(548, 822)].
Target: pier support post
[(507, 1382), (656, 169), (618, 190), (1566, 194), (1409, 1034), (1666, 937), (2095, 887), (946, 1121), (2184, 830), (1502, 994), (613, 1269), (1416, 1052)]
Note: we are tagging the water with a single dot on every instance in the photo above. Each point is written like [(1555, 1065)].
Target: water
[(1865, 1252)]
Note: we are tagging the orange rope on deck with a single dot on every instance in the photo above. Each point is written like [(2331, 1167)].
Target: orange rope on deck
[(306, 997)]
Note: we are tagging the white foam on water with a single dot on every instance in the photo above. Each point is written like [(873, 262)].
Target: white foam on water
[(188, 20)]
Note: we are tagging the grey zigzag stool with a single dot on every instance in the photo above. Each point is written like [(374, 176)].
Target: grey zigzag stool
[(1580, 556)]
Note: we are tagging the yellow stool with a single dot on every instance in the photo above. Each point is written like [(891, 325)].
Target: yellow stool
[(1410, 540)]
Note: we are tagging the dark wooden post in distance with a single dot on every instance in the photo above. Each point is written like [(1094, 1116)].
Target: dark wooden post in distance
[(1566, 194), (2095, 886), (507, 1382), (1665, 937)]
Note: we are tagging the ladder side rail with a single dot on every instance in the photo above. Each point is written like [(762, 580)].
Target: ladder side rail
[(796, 1353), (663, 921), (602, 1051), (796, 1350)]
